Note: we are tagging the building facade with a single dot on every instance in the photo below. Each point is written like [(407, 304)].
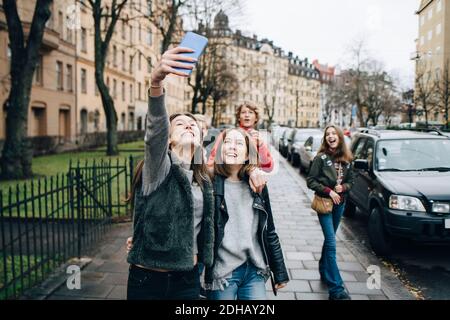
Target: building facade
[(285, 88), (433, 44), (65, 101)]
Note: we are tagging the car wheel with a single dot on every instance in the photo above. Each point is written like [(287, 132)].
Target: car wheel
[(380, 241), (350, 209)]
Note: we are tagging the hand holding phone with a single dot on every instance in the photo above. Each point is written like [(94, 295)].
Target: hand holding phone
[(195, 42)]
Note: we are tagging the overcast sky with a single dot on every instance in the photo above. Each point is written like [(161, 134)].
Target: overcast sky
[(324, 29)]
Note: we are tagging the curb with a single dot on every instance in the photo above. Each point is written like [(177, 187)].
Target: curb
[(392, 287)]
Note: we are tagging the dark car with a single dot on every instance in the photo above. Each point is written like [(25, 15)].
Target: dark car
[(284, 140), (297, 139), (402, 180)]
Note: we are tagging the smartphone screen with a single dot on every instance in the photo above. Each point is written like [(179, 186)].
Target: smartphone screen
[(195, 42)]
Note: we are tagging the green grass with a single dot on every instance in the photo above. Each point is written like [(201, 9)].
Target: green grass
[(52, 165), (37, 273)]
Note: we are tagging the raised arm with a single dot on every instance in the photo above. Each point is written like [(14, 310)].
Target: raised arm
[(156, 159)]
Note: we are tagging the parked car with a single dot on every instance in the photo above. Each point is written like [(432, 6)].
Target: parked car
[(277, 133), (308, 152), (297, 139), (402, 180), (284, 140)]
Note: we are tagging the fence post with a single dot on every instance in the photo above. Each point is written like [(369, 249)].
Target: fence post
[(80, 209)]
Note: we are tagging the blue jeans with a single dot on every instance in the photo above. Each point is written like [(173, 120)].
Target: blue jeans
[(327, 265), (245, 284)]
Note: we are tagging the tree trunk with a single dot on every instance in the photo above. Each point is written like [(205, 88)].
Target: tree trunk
[(214, 110), (17, 154)]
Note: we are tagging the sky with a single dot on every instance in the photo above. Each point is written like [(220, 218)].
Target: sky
[(325, 29)]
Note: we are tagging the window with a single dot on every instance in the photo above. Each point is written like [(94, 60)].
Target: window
[(59, 75), (149, 7), (139, 90), (123, 90), (69, 31), (149, 65), (83, 40), (139, 33), (69, 78), (430, 13), (114, 88), (430, 35), (83, 81), (38, 72), (439, 6), (115, 56), (123, 30), (438, 50), (123, 61), (438, 29), (131, 34), (149, 36), (422, 20), (139, 61), (358, 149), (422, 40), (60, 23), (131, 64), (131, 93)]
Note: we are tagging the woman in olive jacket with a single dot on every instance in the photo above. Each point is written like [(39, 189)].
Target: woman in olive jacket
[(331, 176)]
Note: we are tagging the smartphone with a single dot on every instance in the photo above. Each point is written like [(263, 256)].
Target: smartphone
[(195, 42)]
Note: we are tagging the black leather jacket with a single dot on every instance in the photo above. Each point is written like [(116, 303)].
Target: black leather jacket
[(267, 236)]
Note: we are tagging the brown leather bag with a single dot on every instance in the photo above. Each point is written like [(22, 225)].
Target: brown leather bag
[(322, 205)]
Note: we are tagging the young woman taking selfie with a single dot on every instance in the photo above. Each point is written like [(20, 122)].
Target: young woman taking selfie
[(172, 199)]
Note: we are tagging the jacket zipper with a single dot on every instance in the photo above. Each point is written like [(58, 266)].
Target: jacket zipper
[(262, 234)]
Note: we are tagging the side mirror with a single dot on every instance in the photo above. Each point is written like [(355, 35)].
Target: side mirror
[(361, 164)]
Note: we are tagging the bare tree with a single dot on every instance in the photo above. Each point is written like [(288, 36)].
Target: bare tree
[(225, 84), (442, 86), (17, 155), (425, 90), (105, 15)]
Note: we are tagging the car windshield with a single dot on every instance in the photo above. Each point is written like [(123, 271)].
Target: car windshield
[(413, 155), (302, 136)]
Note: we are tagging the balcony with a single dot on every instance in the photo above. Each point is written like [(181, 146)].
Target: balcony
[(50, 41)]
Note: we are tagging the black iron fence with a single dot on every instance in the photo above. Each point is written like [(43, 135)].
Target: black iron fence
[(43, 223)]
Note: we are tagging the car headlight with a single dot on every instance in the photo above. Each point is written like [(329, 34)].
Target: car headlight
[(441, 207), (406, 203)]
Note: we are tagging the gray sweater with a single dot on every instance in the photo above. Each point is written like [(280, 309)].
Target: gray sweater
[(157, 162), (240, 242)]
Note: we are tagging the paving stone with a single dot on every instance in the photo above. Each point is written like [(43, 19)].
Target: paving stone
[(110, 266), (119, 292), (87, 291), (361, 288), (116, 279), (303, 274), (350, 266), (311, 296), (318, 286), (281, 296), (359, 297), (297, 286), (300, 256)]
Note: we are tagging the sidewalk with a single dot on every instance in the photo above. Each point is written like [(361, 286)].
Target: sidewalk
[(301, 238)]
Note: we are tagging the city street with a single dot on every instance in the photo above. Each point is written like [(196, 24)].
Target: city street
[(301, 237)]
